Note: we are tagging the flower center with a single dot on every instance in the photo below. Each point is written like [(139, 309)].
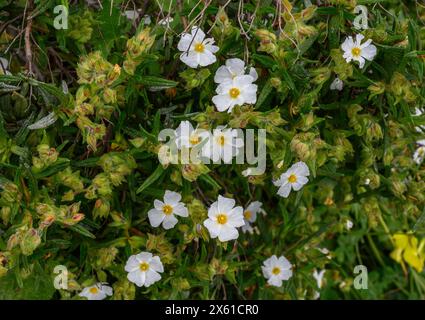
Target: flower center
[(221, 218), (421, 151), (144, 266), (199, 47), (221, 140), (234, 93), (276, 271), (167, 209), (194, 139), (356, 51), (94, 290), (292, 178), (247, 215)]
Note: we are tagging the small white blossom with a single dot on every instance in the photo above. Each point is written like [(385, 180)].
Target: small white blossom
[(337, 84), (164, 212), (419, 154), (250, 215), (224, 144), (223, 219), (238, 91), (275, 270), (166, 21), (132, 14), (419, 112), (143, 269), (349, 224), (188, 137), (319, 277), (196, 49), (233, 68), (99, 291), (294, 178), (146, 19), (355, 50), (326, 252)]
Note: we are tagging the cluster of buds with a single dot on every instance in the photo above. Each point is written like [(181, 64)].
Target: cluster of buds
[(343, 69), (103, 257), (91, 131), (46, 157), (137, 46), (27, 238), (10, 197), (295, 23), (364, 124), (160, 244), (117, 165), (94, 69), (194, 78), (268, 41), (223, 23), (70, 179), (65, 215), (81, 27), (305, 146), (100, 186), (401, 88)]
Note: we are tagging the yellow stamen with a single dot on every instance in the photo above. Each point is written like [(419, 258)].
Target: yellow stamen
[(221, 140), (94, 290), (194, 139), (292, 178), (234, 93), (167, 209), (144, 266), (276, 271), (221, 218), (199, 47), (356, 51), (247, 215)]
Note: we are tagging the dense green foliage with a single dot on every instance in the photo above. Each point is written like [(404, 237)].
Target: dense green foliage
[(76, 191)]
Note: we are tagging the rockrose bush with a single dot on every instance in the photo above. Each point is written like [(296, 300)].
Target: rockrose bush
[(212, 149)]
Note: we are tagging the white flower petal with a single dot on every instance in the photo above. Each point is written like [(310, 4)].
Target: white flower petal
[(169, 222), (171, 197), (155, 217)]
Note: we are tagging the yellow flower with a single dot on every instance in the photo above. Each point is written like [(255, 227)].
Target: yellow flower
[(407, 250)]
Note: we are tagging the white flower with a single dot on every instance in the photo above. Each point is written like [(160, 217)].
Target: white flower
[(319, 277), (349, 224), (197, 51), (188, 137), (294, 178), (355, 50), (238, 91), (233, 68), (166, 21), (250, 215), (132, 14), (419, 154), (223, 144), (164, 211), (223, 219), (146, 19), (99, 291), (143, 269), (326, 252), (419, 112), (276, 269), (337, 84)]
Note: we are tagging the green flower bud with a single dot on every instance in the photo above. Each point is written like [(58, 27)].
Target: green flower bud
[(30, 241), (101, 208)]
